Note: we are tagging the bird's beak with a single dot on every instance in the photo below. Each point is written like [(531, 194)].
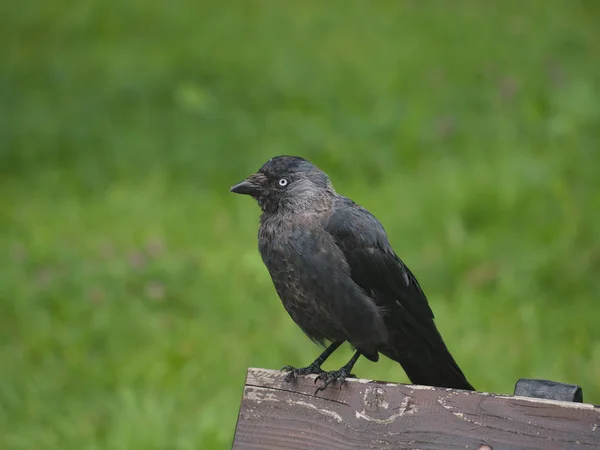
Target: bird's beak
[(253, 185)]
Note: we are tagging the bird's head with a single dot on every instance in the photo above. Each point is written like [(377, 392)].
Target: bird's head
[(288, 183)]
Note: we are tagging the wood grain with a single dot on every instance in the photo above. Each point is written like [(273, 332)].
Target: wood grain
[(365, 414)]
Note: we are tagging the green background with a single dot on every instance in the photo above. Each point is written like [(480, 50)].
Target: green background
[(133, 297)]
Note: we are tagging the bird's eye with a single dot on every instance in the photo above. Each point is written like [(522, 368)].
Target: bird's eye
[(283, 182)]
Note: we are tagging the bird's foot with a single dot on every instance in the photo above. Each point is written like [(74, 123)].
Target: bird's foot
[(292, 372), (335, 375)]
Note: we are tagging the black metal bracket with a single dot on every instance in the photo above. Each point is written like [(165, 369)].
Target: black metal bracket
[(551, 390)]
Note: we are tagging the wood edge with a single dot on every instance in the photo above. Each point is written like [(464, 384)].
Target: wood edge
[(254, 373)]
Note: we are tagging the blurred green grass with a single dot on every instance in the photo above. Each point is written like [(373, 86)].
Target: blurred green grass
[(133, 297)]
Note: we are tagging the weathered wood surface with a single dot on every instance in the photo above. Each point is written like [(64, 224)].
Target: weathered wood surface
[(364, 414)]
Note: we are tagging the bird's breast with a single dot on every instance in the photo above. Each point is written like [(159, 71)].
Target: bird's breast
[(293, 253)]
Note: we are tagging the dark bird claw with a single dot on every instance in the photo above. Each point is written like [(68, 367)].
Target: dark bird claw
[(329, 377), (292, 372)]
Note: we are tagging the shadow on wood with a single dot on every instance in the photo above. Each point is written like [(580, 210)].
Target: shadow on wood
[(364, 414)]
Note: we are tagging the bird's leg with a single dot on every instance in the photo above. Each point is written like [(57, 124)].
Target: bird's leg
[(314, 368), (337, 375)]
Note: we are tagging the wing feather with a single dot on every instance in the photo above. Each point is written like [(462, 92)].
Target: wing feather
[(373, 264)]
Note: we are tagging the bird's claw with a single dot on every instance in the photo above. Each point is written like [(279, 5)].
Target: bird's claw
[(335, 375), (292, 372)]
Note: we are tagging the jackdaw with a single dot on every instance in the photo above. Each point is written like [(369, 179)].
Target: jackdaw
[(339, 278)]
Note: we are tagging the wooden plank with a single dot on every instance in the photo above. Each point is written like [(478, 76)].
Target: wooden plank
[(364, 414)]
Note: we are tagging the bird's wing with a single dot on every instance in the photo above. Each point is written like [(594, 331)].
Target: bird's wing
[(414, 341), (373, 264)]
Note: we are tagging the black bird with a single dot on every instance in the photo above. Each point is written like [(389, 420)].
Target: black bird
[(339, 278)]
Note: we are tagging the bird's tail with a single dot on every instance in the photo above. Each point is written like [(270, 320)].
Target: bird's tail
[(426, 361)]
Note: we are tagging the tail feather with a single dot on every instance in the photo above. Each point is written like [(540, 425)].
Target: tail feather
[(424, 363)]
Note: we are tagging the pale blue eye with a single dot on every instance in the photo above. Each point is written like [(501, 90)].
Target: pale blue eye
[(283, 182)]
